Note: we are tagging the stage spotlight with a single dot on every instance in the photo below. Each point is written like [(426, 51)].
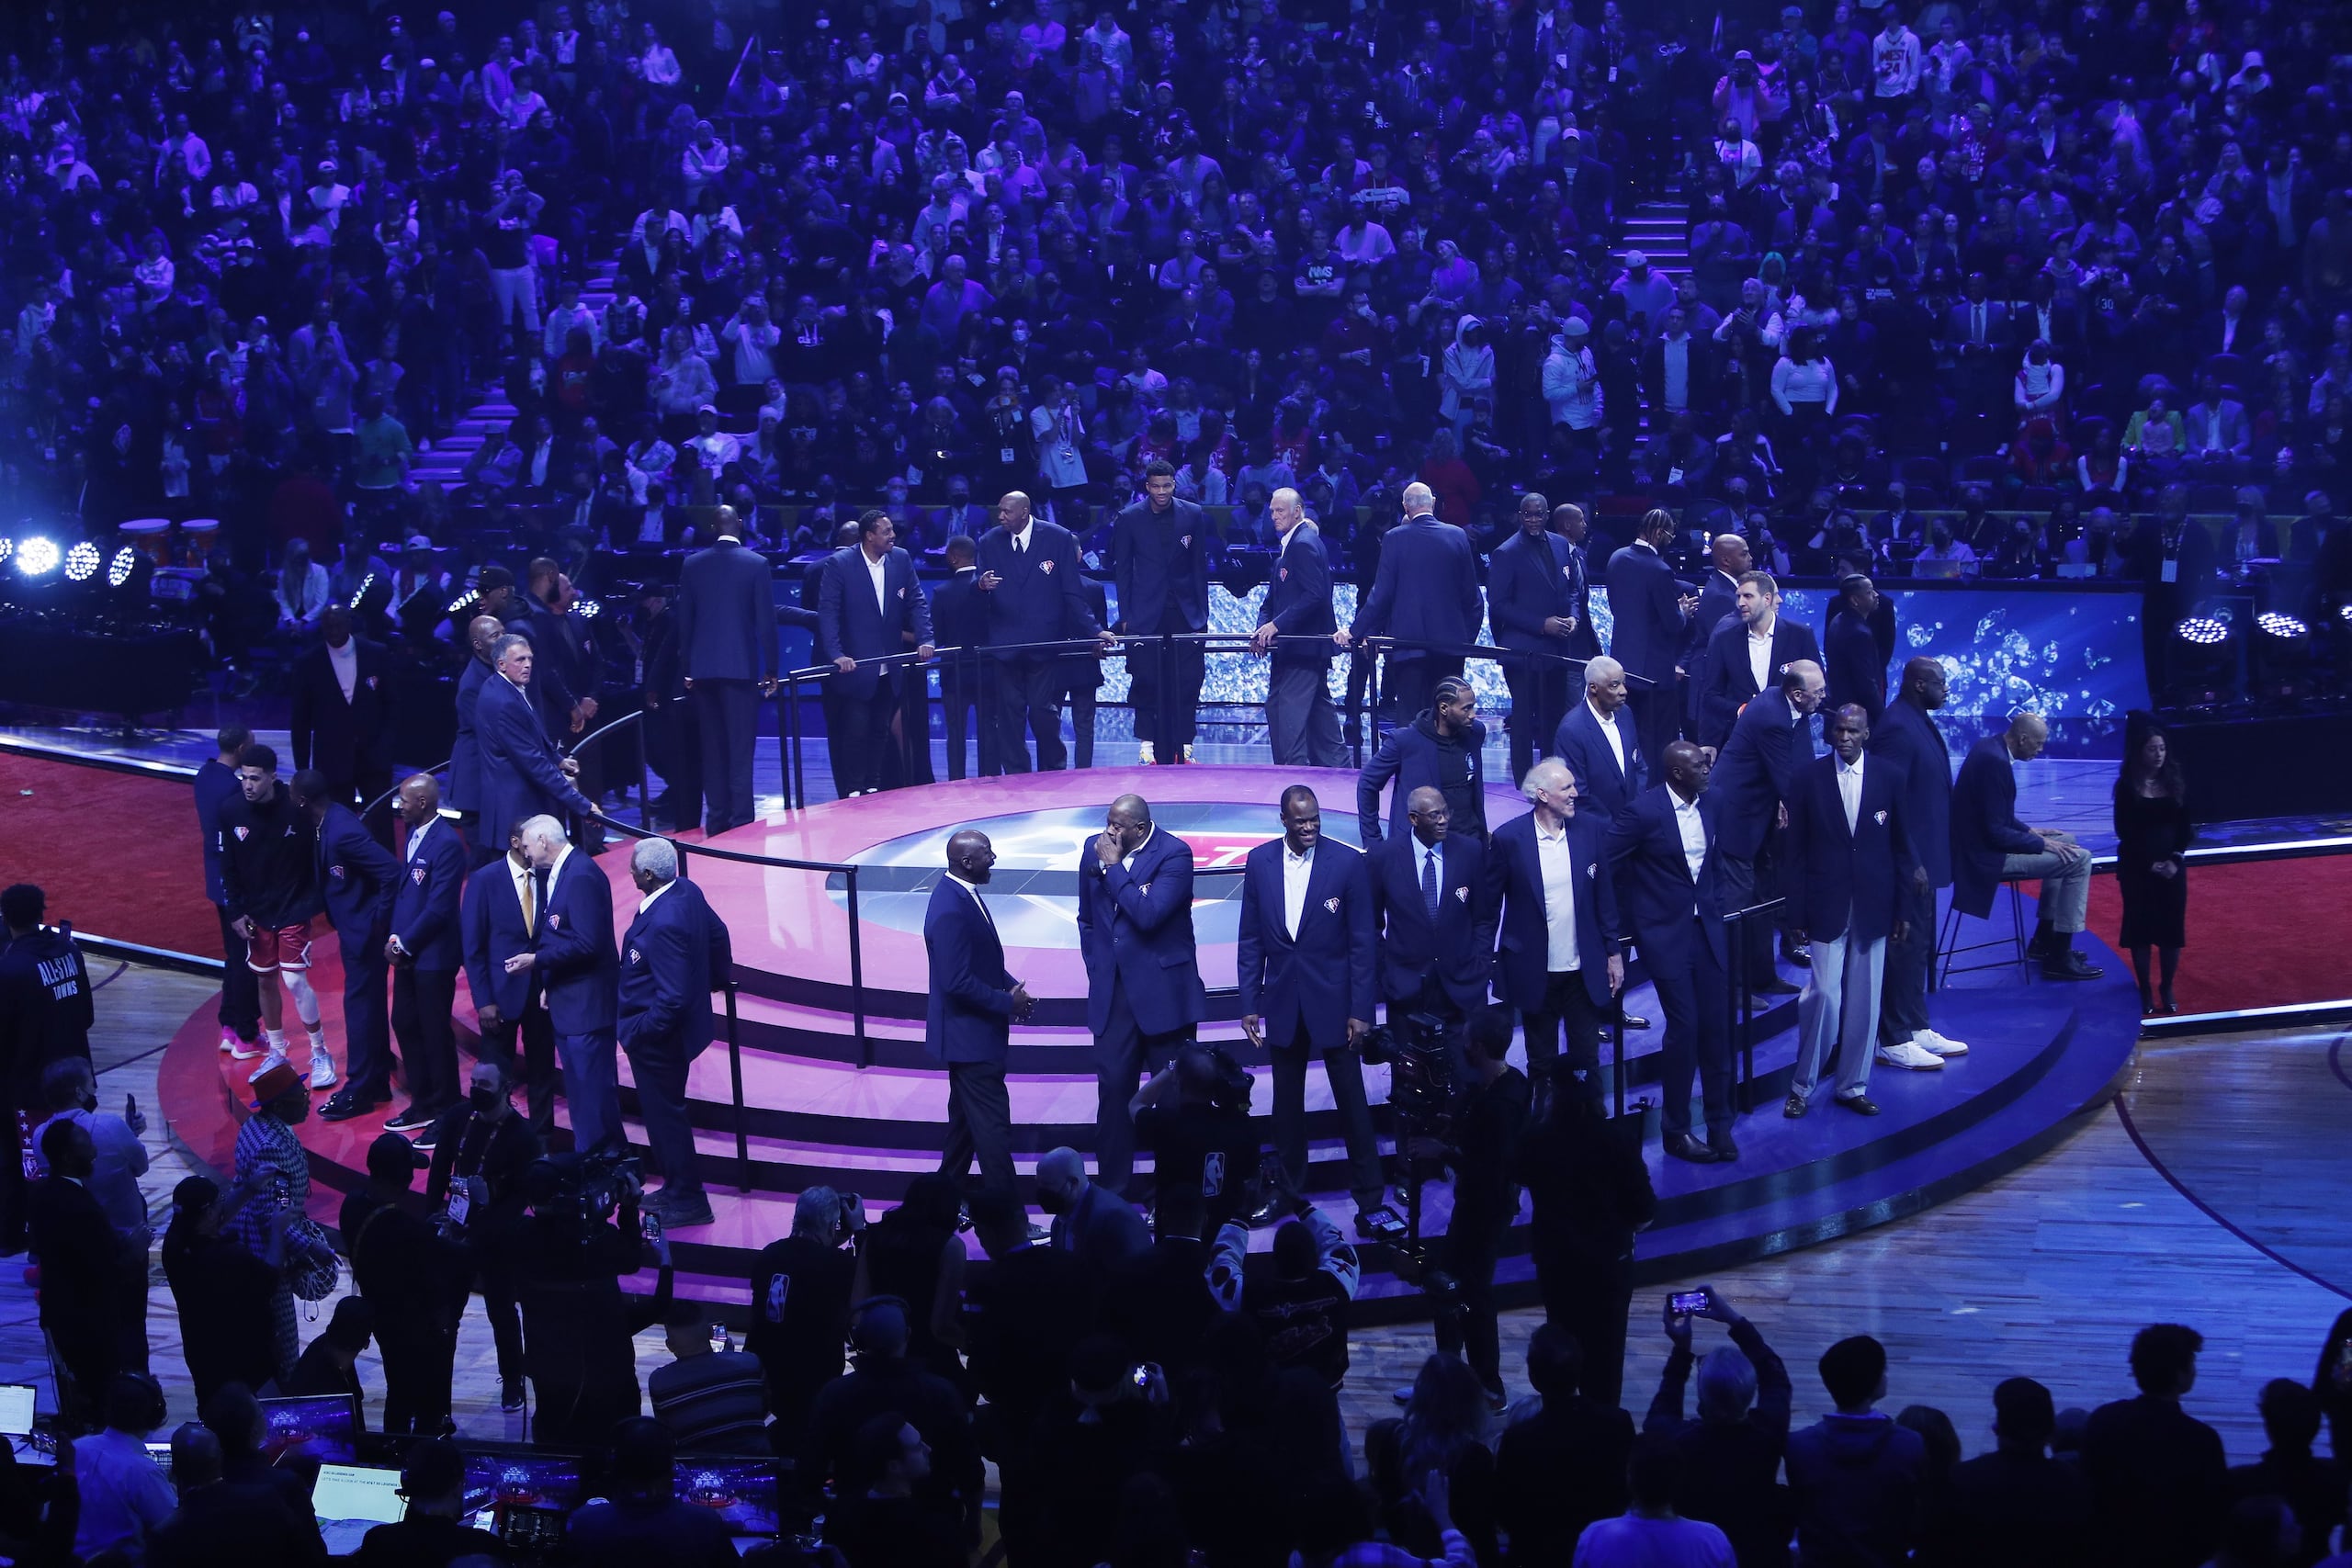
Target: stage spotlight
[(82, 562), (37, 557), (131, 576), (2203, 662), (8, 548), (125, 562), (2272, 623), (2282, 657), (589, 609), (2202, 631)]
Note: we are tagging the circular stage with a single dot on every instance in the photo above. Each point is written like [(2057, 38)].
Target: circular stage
[(2041, 1054)]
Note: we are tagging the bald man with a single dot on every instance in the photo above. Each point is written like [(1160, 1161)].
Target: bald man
[(975, 1001), (1425, 596), (465, 753), (1298, 628), (1144, 996), (1030, 584), (1530, 597), (425, 951)]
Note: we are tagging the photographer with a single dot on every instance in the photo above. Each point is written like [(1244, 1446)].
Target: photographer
[(482, 1152), (1301, 1309), (800, 1296), (1477, 1141), (581, 1239), (1193, 1115)]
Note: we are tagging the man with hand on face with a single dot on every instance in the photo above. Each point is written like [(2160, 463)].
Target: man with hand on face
[(1305, 959), (1144, 995), (1029, 580), (1160, 560), (1850, 858), (426, 951), (974, 1004), (1531, 598), (1563, 956), (1743, 656)]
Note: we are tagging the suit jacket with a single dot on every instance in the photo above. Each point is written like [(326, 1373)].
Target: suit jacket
[(726, 615), (851, 622), (2237, 433), (340, 738), (1731, 680), (1155, 559), (1657, 896), (81, 1262), (1718, 597), (1751, 777), (1841, 881), (520, 773), (1298, 600), (1645, 598), (1408, 755), (1908, 737), (970, 1015), (1601, 785), (579, 965), (675, 952), (1135, 929), (1958, 332), (355, 878), (489, 918), (1426, 589), (1460, 950), (1527, 581), (464, 752), (1040, 597), (959, 618), (1854, 666), (426, 897), (1985, 829), (1324, 975), (1515, 888)]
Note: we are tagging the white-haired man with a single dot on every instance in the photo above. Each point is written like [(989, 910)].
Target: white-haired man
[(676, 950), (574, 962)]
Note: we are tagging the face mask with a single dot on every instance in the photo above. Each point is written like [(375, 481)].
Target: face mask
[(484, 1099)]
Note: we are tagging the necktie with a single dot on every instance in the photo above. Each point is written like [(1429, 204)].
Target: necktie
[(1978, 330), (1429, 885), (413, 841), (531, 902)]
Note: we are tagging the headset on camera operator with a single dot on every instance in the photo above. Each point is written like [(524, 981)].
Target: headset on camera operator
[(1193, 1115), (482, 1151), (584, 1236), (1478, 1135)]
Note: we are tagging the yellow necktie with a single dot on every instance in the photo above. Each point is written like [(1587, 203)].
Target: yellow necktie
[(530, 906)]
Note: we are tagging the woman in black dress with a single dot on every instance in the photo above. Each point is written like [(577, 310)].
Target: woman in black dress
[(2152, 835)]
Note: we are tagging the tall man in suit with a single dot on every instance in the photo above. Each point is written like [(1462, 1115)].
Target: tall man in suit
[(425, 950), (1159, 560), (1742, 654), (1752, 778), (1991, 845), (1727, 559), (1143, 978), (1906, 736), (1976, 335), (1653, 615), (975, 1002), (1563, 955), (1850, 858), (1295, 626), (522, 775), (960, 622), (1029, 576), (578, 969), (1854, 665), (1598, 742), (868, 607), (1425, 591), (727, 631), (1568, 522), (675, 952), (464, 752), (1531, 599), (82, 1267), (355, 879), (499, 917), (1662, 851), (1305, 959), (342, 722)]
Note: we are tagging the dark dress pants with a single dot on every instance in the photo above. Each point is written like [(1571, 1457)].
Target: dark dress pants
[(240, 991), (1657, 715), (535, 1033), (1567, 1008), (592, 1088), (1410, 684), (1085, 689), (1696, 999), (1903, 991), (367, 1018), (1344, 1068), (674, 754), (1747, 881), (1589, 1296), (419, 1365), (959, 701), (1028, 699), (1539, 700), (1123, 1053), (979, 1122), (727, 712), (859, 729), (1471, 1243), (422, 1003), (659, 1068), (1167, 712)]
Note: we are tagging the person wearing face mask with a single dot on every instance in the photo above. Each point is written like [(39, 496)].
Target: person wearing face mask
[(480, 1152)]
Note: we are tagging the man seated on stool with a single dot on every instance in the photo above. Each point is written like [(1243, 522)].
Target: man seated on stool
[(1990, 845)]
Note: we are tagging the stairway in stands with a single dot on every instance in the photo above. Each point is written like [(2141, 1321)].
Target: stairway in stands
[(447, 460), (1660, 230)]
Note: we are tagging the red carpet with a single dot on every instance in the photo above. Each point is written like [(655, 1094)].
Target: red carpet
[(118, 853), (2261, 933)]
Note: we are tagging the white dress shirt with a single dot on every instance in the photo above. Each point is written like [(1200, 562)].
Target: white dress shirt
[(1127, 860), (1693, 830), (1608, 722), (1760, 658), (647, 902), (974, 889), (345, 660), (874, 569), (1849, 789), (1297, 869), (1552, 854)]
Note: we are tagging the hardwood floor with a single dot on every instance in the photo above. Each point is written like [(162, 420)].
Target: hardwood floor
[(2047, 1272)]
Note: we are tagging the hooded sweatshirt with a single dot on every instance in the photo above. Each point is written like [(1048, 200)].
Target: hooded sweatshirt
[(1858, 1483)]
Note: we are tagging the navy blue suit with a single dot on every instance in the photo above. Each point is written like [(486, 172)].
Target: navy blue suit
[(1645, 597), (1750, 780), (1718, 597), (1529, 580), (1906, 734), (1986, 827), (1573, 1002), (1305, 987), (493, 929), (216, 785), (1448, 965), (1676, 922), (1425, 591), (579, 968), (1602, 788), (350, 742), (1844, 888), (355, 878), (959, 620), (727, 643), (424, 982), (521, 775), (853, 623), (1143, 979), (675, 952), (1159, 563), (1854, 666), (1300, 721), (1039, 598), (1731, 680), (968, 1028), (1408, 755), (464, 752)]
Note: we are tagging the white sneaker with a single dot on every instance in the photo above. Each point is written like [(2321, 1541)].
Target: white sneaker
[(1941, 1045), (1910, 1053), (1186, 753), (241, 1050), (229, 1041), (1143, 749), (323, 1074)]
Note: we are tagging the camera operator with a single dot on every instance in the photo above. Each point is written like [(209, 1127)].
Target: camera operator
[(1301, 1307), (800, 1299), (581, 1239), (416, 1281), (1477, 1140), (482, 1152), (1193, 1115)]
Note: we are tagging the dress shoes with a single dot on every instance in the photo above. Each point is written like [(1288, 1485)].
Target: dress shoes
[(1860, 1104), (1801, 954), (1775, 987), (348, 1104), (509, 1393), (680, 1210), (1726, 1149), (2068, 965), (1271, 1207), (408, 1118), (1682, 1146), (1636, 1021), (1794, 1107)]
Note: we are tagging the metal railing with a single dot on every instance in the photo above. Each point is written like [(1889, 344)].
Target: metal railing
[(1736, 936)]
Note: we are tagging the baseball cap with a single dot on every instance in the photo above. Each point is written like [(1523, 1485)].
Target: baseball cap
[(1636, 259)]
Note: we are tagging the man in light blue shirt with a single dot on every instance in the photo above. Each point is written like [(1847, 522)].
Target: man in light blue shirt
[(125, 1498)]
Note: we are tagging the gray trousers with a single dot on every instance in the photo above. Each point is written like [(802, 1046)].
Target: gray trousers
[(1840, 1011), (1300, 720), (2065, 869)]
